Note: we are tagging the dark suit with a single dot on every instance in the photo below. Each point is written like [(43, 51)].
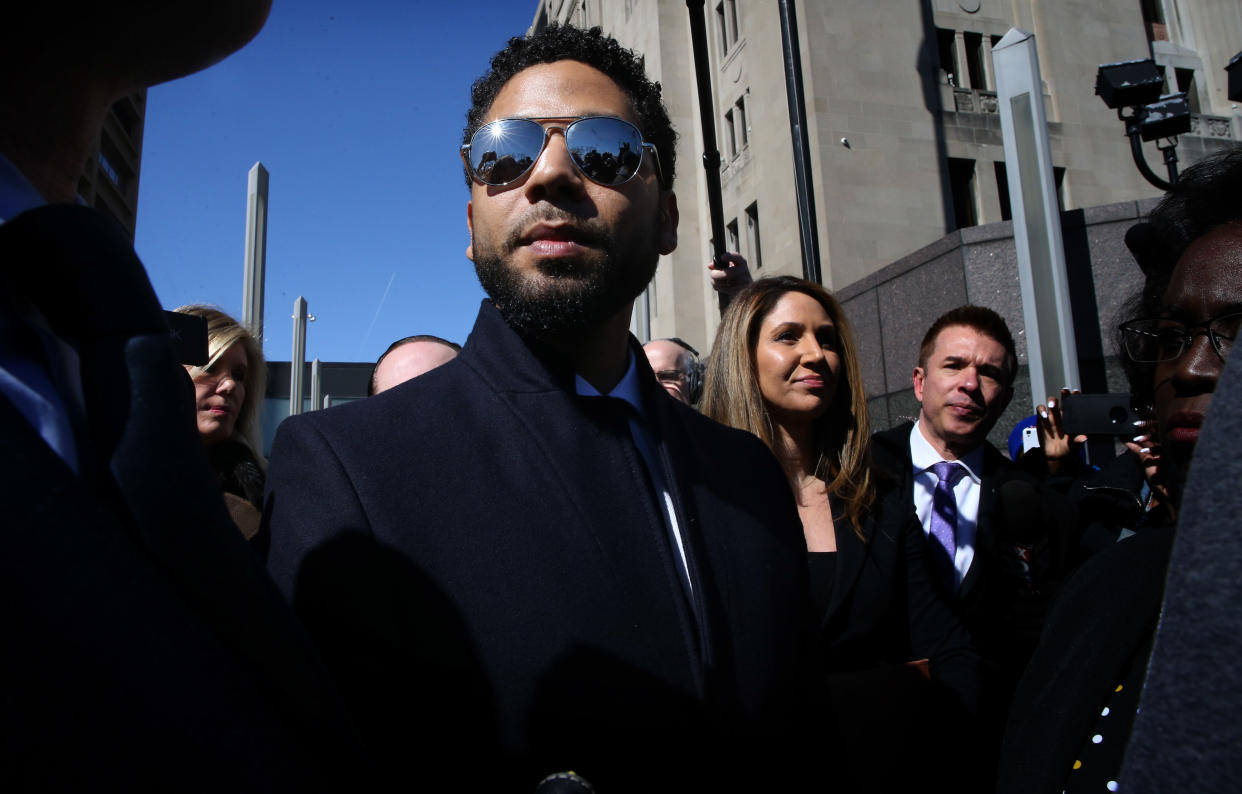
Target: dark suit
[(482, 559), (1003, 616), (884, 611), (1001, 604), (144, 647)]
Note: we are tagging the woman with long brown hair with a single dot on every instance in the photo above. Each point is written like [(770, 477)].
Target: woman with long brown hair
[(784, 367)]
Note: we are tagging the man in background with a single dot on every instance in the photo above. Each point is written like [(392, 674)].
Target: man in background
[(980, 512), (676, 366), (408, 358)]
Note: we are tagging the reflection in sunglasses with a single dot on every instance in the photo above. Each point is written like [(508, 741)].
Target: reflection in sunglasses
[(607, 150)]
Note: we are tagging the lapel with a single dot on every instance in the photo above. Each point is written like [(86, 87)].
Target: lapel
[(985, 526), (94, 292), (586, 445), (851, 552)]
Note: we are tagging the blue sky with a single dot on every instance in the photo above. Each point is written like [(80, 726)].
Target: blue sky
[(356, 110)]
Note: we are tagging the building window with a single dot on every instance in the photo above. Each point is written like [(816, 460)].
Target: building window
[(743, 125), (733, 243), (726, 24), (962, 184), (968, 65), (974, 60), (1002, 189), (109, 169), (946, 50), (1186, 84), (753, 251), (736, 128), (1153, 20)]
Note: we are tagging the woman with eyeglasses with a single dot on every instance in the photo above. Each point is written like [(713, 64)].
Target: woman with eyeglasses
[(227, 392), (1076, 704), (784, 367)]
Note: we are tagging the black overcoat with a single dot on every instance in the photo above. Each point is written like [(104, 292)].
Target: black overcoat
[(144, 647), (480, 556)]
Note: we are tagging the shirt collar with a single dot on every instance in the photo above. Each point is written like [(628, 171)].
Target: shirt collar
[(16, 193), (923, 455), (626, 389)]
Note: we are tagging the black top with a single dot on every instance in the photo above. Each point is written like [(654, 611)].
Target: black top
[(898, 728), (823, 568)]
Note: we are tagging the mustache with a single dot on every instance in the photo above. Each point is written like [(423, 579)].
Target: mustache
[(591, 231)]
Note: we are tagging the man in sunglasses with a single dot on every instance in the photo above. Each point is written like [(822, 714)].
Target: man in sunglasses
[(532, 559)]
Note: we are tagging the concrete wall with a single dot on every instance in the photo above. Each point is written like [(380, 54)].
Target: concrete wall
[(892, 308)]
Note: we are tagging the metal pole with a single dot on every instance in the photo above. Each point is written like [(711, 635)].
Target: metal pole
[(801, 142), (1052, 351), (707, 118), (298, 361), (256, 251), (316, 391), (1136, 150)]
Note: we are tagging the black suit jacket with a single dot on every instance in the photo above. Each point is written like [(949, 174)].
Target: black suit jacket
[(883, 613), (480, 555), (144, 647), (1003, 613), (884, 607)]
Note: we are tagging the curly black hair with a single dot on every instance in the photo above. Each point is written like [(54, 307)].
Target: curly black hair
[(592, 47), (1207, 195)]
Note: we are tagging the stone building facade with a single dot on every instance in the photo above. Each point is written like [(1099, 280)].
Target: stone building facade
[(904, 134), (109, 178)]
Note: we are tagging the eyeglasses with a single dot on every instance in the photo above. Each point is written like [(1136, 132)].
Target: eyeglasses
[(673, 376), (1157, 340), (607, 150)]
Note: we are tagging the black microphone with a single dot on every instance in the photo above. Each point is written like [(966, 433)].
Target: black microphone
[(564, 783)]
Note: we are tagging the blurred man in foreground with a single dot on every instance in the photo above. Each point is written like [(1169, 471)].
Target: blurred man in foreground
[(145, 649)]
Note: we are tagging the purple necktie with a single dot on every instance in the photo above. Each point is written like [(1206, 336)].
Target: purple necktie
[(944, 515)]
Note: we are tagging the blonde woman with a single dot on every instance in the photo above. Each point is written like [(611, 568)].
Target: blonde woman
[(784, 367), (227, 392)]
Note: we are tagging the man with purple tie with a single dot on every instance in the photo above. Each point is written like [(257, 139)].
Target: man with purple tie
[(967, 494)]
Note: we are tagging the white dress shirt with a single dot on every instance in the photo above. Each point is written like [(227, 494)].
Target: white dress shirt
[(966, 493)]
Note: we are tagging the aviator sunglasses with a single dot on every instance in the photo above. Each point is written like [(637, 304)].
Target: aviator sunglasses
[(607, 150)]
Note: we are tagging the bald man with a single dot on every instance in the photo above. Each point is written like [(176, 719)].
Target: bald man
[(408, 358), (676, 367)]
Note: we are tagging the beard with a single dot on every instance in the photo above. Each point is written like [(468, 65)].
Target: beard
[(566, 295)]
